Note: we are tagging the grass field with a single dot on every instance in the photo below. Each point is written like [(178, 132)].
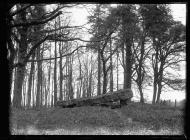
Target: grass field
[(133, 119)]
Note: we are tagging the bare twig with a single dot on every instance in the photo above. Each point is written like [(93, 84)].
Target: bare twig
[(36, 22), (58, 56)]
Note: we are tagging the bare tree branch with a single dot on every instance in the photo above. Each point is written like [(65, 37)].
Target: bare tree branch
[(175, 84), (53, 38), (48, 15), (60, 28), (34, 48), (36, 22), (172, 63), (58, 56), (111, 53)]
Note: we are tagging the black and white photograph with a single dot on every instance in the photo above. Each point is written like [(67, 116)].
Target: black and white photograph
[(96, 69)]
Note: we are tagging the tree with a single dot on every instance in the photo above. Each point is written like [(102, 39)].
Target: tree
[(55, 68), (106, 26), (127, 19), (97, 22), (31, 76), (21, 16), (159, 25), (70, 78), (60, 73), (111, 68), (170, 54), (21, 20), (20, 70), (80, 78), (152, 23), (139, 54), (128, 22), (39, 81)]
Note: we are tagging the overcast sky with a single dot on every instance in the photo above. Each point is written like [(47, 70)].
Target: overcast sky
[(179, 12)]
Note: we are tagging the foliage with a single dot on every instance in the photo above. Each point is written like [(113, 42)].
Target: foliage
[(158, 21)]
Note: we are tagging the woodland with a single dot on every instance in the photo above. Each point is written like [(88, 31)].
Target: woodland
[(51, 60)]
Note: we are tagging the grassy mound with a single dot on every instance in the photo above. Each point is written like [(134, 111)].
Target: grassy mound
[(133, 116), (155, 116), (80, 116)]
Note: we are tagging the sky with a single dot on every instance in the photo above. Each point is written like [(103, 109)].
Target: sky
[(179, 12)]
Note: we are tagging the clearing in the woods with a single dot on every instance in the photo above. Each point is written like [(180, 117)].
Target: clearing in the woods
[(135, 118)]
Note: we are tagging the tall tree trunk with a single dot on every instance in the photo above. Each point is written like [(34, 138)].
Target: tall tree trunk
[(42, 89), (99, 58), (159, 92), (26, 96), (11, 58), (90, 84), (111, 68), (11, 61), (66, 77), (160, 82), (128, 66), (78, 94), (99, 74), (140, 71), (39, 76), (20, 69), (87, 78), (154, 89), (14, 83), (141, 94), (117, 69), (104, 81), (87, 81), (90, 80), (18, 87), (155, 68), (46, 93), (60, 67), (123, 61), (80, 76), (61, 74), (33, 89), (24, 93), (55, 72), (104, 74), (84, 88), (49, 80), (30, 80), (52, 93), (71, 92), (42, 77)]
